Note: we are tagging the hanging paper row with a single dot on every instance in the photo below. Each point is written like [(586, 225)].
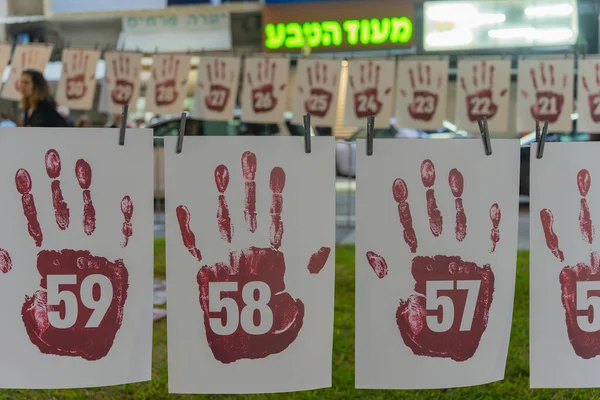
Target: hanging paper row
[(250, 232), (413, 90)]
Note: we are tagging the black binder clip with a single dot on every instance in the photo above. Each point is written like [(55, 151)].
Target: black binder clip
[(181, 133), (540, 138), (123, 125), (485, 136), (370, 134), (307, 144)]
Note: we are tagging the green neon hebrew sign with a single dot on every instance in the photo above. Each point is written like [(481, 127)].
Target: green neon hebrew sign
[(374, 31)]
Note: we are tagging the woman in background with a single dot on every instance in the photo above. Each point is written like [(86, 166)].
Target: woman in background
[(38, 105)]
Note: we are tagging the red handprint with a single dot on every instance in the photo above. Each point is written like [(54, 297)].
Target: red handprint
[(247, 312), (449, 312), (548, 101), (425, 99), (79, 307), (221, 83), (580, 283), (319, 101), (263, 96), (480, 102), (75, 69), (125, 76), (30, 59), (366, 100), (166, 92), (593, 98)]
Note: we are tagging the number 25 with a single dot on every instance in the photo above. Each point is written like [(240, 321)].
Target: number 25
[(433, 302)]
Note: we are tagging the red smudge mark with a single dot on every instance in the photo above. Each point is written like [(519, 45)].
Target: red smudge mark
[(495, 215), (411, 314), (127, 210), (584, 181), (428, 173), (400, 193), (61, 210), (378, 264), (585, 344), (276, 184), (188, 237), (5, 261), (551, 237), (435, 216), (251, 265), (318, 260), (223, 218), (88, 343), (83, 171), (23, 182), (456, 182), (249, 172)]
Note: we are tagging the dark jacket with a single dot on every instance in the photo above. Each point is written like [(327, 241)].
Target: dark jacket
[(44, 116)]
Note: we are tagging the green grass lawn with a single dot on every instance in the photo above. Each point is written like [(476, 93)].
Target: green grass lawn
[(515, 386)]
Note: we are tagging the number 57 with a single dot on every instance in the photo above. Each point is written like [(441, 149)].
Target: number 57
[(433, 302)]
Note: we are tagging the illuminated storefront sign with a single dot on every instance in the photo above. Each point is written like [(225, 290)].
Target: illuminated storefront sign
[(340, 26), (480, 25)]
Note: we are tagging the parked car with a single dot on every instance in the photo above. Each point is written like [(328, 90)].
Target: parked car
[(345, 150)]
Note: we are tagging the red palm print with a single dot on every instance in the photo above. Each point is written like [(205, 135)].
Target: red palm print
[(427, 330), (254, 277), (480, 101), (85, 324), (264, 99), (425, 98), (593, 96), (124, 75), (549, 98), (579, 281), (165, 72), (220, 87), (75, 69), (322, 87), (366, 96)]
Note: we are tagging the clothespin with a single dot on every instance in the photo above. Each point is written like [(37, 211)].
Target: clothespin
[(540, 138), (485, 136), (123, 125), (181, 133), (307, 144), (370, 134)]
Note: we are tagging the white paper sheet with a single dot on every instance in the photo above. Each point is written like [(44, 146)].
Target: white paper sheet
[(317, 91), (104, 334), (545, 93), (266, 84), (168, 85), (217, 88), (370, 92), (422, 89), (565, 282), (482, 91), (122, 81), (25, 56), (588, 93), (209, 188), (434, 311), (77, 86)]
